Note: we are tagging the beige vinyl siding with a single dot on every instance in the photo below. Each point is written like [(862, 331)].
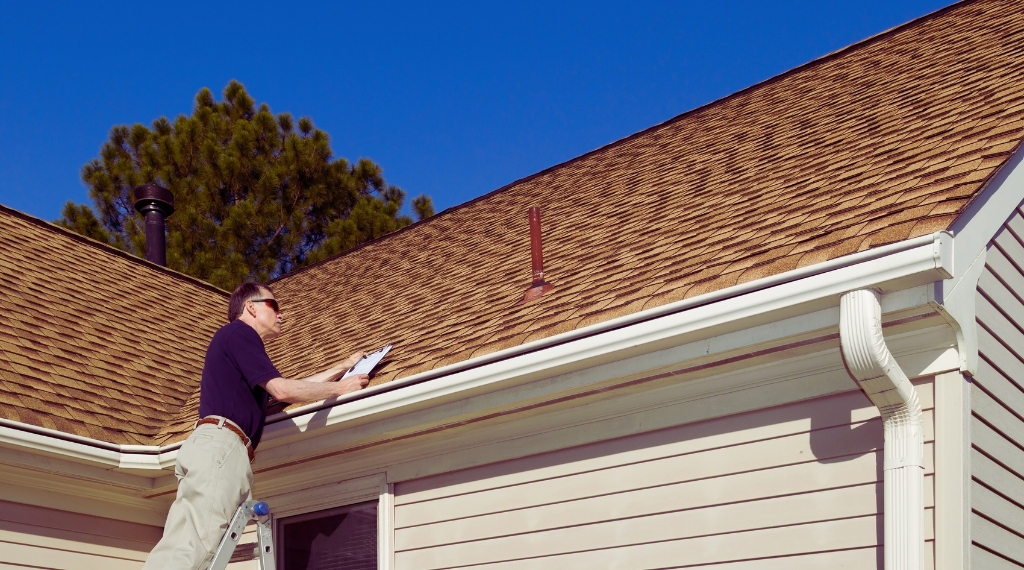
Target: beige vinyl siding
[(997, 406), (37, 537), (689, 495)]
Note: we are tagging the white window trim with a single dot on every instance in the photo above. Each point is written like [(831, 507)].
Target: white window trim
[(339, 494)]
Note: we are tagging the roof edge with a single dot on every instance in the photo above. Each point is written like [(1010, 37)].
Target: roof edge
[(936, 249), (924, 256), (816, 61), (111, 249)]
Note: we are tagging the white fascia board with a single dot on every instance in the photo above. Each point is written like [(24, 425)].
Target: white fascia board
[(974, 229), (894, 267), (928, 260), (985, 214), (765, 354), (46, 462)]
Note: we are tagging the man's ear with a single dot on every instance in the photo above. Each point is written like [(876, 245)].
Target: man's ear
[(250, 308)]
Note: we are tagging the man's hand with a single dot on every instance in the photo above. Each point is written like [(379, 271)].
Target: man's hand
[(337, 371), (353, 383), (351, 361)]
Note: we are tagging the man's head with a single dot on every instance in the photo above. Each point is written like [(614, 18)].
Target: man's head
[(255, 304)]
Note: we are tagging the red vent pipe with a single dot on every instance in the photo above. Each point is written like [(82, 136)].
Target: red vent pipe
[(539, 286)]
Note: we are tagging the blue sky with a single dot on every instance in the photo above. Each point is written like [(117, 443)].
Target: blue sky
[(451, 99)]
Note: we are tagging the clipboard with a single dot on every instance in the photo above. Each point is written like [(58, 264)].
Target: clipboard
[(367, 363)]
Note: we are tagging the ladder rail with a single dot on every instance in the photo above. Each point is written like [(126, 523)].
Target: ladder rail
[(246, 512)]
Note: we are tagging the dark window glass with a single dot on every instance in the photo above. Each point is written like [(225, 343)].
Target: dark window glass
[(343, 538)]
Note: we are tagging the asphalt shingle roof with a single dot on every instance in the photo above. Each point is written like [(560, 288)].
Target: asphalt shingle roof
[(94, 342), (885, 140)]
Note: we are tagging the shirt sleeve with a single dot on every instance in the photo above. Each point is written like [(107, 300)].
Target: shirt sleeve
[(250, 356)]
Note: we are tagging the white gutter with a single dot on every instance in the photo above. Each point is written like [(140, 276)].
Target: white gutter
[(924, 259), (70, 437), (935, 251), (882, 379), (928, 259), (93, 450)]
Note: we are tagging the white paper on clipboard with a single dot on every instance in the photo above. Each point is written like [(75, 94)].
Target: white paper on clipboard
[(368, 362)]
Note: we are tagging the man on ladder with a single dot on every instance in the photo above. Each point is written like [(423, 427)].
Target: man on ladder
[(213, 466)]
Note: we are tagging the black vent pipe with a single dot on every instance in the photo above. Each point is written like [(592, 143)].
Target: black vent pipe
[(155, 203)]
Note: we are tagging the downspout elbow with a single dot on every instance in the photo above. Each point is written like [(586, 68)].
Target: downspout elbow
[(885, 384)]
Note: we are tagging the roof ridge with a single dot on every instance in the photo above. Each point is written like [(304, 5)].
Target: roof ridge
[(85, 240), (816, 61)]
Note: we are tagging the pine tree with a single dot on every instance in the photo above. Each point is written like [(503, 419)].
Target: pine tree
[(253, 198)]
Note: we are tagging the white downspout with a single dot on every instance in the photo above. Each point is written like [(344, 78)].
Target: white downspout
[(878, 374)]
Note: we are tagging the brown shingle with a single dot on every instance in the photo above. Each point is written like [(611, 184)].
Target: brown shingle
[(86, 348), (883, 141)]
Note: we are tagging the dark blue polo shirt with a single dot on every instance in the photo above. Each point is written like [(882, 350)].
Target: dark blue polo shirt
[(236, 363)]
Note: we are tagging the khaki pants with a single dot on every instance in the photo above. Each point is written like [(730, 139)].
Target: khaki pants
[(214, 477)]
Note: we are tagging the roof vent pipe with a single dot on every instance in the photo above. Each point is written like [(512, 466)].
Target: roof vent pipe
[(155, 203), (539, 286), (885, 384)]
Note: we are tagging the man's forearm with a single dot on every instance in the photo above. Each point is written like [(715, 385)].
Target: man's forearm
[(298, 391), (329, 375)]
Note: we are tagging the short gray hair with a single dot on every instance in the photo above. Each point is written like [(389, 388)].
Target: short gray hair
[(245, 292)]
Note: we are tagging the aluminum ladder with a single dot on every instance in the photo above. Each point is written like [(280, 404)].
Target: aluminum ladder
[(247, 511)]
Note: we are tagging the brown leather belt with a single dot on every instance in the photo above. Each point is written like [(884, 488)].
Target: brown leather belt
[(218, 421)]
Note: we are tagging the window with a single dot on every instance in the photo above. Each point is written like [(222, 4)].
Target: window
[(341, 538)]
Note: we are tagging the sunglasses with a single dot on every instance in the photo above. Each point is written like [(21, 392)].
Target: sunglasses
[(272, 303)]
